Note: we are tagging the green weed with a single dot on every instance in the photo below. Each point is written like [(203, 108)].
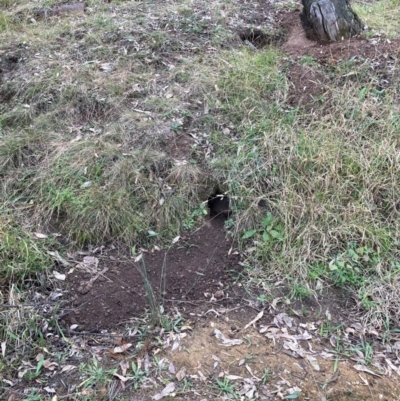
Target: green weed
[(226, 387), (96, 374), (197, 214)]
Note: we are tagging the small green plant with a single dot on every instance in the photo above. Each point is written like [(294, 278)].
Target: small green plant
[(152, 301), (350, 266), (308, 60), (365, 299), (21, 256), (262, 299), (300, 290), (194, 217), (266, 376), (364, 348), (37, 372), (226, 387), (96, 373), (176, 127), (327, 328), (5, 22), (33, 396), (271, 230), (139, 375), (186, 385), (192, 25)]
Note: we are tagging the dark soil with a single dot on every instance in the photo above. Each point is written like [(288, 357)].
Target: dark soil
[(307, 86), (196, 267)]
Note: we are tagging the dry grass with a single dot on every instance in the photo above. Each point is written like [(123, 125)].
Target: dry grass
[(381, 16)]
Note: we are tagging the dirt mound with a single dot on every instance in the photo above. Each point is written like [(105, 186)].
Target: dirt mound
[(108, 289)]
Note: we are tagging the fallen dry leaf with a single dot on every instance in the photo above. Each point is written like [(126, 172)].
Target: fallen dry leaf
[(283, 319), (233, 377), (251, 323), (41, 236), (67, 368), (313, 362), (226, 342), (124, 365), (122, 348), (171, 368), (362, 368), (170, 388), (181, 374), (122, 378), (59, 276)]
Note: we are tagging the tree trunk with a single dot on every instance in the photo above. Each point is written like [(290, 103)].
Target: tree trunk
[(331, 20)]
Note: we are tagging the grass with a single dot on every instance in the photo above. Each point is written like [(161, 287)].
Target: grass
[(23, 258), (329, 181), (92, 114), (380, 16)]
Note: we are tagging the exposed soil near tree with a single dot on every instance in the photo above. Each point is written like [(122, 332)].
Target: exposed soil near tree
[(308, 85)]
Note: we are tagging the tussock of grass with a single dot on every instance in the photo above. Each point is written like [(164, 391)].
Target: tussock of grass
[(87, 162), (20, 328), (21, 256)]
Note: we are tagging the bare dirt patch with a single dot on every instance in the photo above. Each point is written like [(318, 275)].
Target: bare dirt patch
[(318, 375), (197, 267), (306, 86)]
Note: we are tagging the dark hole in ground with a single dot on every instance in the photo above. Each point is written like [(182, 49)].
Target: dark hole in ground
[(259, 39), (255, 36), (219, 205)]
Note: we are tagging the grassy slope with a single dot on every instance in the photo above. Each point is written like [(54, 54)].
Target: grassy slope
[(89, 114)]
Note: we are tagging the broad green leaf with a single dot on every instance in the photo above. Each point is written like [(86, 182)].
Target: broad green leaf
[(267, 220), (249, 234), (266, 236), (276, 235)]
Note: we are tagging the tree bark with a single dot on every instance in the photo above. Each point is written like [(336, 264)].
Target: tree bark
[(332, 20)]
